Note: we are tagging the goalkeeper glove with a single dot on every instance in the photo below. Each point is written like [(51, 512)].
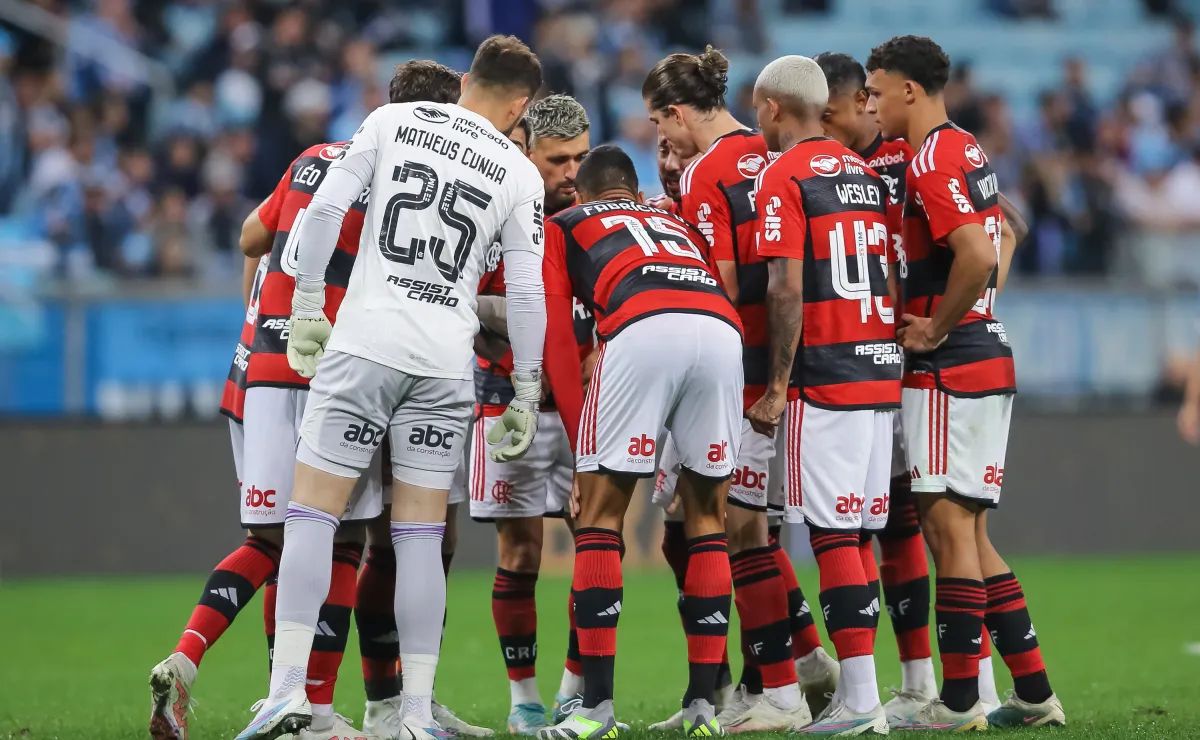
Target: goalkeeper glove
[(308, 330), (520, 418)]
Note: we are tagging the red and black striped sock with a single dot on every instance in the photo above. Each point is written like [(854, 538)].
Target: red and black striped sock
[(573, 663), (375, 617), (1012, 630), (675, 550), (514, 611), (333, 624), (229, 588), (597, 590), (270, 590), (905, 575), (959, 608), (761, 598), (705, 611), (805, 637), (845, 598), (866, 552)]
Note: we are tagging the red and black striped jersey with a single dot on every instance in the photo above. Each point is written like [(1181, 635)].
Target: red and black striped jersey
[(233, 400), (718, 196), (821, 204), (268, 365), (625, 261), (890, 160), (951, 184), (493, 388)]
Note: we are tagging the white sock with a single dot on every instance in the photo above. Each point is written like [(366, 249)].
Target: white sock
[(322, 717), (571, 684), (987, 682), (860, 692), (293, 643), (785, 697), (525, 691), (917, 677), (418, 672)]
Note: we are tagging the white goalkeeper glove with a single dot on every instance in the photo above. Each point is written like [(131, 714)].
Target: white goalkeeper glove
[(520, 418), (308, 330)]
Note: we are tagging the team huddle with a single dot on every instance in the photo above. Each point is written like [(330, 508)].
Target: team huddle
[(467, 303)]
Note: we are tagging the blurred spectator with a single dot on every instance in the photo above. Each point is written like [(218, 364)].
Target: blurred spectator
[(962, 101), (1023, 8), (639, 139), (1171, 71), (1081, 111), (12, 133)]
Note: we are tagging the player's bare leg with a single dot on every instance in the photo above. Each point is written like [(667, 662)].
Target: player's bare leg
[(596, 591), (770, 696), (514, 611), (1033, 702)]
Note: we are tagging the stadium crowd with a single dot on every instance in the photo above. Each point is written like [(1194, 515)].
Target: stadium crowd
[(126, 179)]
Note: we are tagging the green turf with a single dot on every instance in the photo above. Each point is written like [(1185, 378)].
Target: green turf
[(74, 655)]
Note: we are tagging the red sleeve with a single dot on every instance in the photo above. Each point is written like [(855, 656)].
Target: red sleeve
[(942, 192), (706, 206), (270, 209), (561, 354), (781, 227)]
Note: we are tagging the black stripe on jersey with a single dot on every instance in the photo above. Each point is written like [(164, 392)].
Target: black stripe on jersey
[(237, 368), (752, 284), (756, 362), (337, 273), (307, 174), (826, 196), (967, 343), (819, 282), (848, 362), (983, 188), (268, 334), (661, 276), (927, 277)]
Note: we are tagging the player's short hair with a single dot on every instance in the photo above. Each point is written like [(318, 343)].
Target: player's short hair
[(526, 125), (506, 62), (796, 83), (918, 58), (424, 81), (607, 167), (843, 73), (698, 80), (557, 117)]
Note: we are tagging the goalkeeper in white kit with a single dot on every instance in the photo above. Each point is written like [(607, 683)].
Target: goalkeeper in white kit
[(444, 184)]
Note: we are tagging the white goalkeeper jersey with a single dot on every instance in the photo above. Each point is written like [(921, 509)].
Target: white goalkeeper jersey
[(444, 185)]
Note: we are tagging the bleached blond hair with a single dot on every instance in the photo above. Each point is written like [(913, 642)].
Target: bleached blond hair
[(796, 83)]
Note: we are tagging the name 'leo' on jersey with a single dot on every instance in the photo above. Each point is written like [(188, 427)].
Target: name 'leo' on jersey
[(446, 185)]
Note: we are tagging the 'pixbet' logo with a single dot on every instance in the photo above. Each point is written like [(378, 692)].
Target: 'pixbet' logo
[(850, 504), (641, 447), (431, 114), (502, 492), (747, 478), (974, 155), (430, 436), (256, 498), (751, 164), (826, 165), (363, 437)]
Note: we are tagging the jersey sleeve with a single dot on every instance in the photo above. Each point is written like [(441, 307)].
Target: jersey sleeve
[(554, 264), (272, 207), (942, 192), (562, 353), (707, 207), (523, 230), (782, 225)]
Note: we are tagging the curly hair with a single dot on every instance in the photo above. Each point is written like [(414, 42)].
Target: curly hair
[(424, 81), (918, 58), (698, 80), (557, 117)]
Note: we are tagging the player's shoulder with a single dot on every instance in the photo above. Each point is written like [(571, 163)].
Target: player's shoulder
[(736, 156), (947, 148), (322, 152)]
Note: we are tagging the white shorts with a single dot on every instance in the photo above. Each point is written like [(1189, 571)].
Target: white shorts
[(845, 461), (237, 437), (270, 428), (354, 402), (539, 484), (759, 477), (673, 372), (458, 488), (955, 444), (899, 460)]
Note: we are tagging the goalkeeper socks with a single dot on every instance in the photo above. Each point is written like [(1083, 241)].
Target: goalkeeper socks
[(304, 575), (1016, 640), (597, 589), (420, 609), (705, 610), (514, 611), (333, 626), (375, 617), (228, 589)]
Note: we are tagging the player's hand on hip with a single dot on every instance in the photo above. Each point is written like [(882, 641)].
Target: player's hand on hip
[(916, 334), (520, 419), (766, 412), (308, 333)]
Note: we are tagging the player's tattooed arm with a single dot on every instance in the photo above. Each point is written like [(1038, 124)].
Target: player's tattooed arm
[(785, 316)]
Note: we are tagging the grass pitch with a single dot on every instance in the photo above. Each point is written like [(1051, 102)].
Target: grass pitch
[(1121, 638)]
